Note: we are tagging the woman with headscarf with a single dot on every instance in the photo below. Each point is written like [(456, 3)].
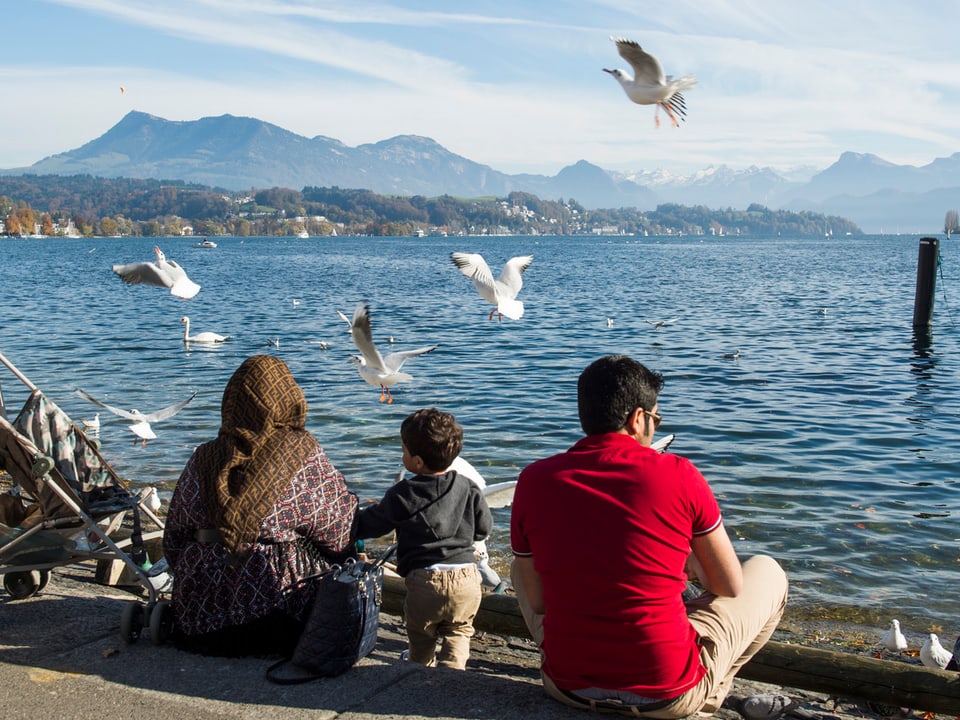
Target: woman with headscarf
[(254, 512)]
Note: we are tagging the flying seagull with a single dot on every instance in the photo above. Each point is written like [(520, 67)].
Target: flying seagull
[(648, 86), (657, 324), (162, 273), (502, 292), (204, 337), (141, 421), (375, 369)]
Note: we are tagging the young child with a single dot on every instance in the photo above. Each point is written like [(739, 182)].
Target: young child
[(437, 515)]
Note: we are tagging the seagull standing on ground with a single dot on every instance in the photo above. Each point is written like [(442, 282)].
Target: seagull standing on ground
[(502, 292), (893, 640), (162, 273), (933, 654), (141, 421), (648, 86), (375, 369)]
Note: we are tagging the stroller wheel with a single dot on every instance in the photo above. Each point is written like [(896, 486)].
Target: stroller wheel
[(131, 622), (44, 579), (22, 585), (161, 622), (42, 466)]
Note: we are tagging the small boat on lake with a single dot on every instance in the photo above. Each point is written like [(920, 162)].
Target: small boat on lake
[(205, 243)]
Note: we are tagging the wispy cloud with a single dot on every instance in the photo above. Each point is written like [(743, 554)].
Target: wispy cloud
[(779, 83)]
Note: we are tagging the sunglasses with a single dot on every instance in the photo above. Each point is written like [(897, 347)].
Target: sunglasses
[(656, 417)]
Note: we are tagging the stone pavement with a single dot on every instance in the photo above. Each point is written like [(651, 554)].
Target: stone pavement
[(61, 657)]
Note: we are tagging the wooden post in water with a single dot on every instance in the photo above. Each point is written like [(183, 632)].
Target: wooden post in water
[(926, 282)]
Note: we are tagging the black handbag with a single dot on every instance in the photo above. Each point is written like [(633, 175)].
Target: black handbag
[(342, 625)]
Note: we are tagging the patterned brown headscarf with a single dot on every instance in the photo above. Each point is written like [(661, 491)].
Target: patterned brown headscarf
[(262, 444)]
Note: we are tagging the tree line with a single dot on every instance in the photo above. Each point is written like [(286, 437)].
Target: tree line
[(94, 206)]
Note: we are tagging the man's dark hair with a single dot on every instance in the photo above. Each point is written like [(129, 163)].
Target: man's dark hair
[(433, 435), (611, 388)]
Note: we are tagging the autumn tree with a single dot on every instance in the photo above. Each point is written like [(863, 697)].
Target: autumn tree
[(26, 217), (13, 224), (109, 227)]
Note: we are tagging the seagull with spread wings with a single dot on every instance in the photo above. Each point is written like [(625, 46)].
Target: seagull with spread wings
[(649, 86), (657, 324), (141, 421), (502, 292), (375, 369), (162, 273)]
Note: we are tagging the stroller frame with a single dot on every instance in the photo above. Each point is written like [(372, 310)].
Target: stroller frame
[(55, 486)]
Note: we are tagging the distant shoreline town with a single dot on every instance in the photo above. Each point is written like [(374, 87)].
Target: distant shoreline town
[(86, 206)]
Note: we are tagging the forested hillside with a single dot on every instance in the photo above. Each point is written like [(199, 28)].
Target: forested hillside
[(86, 205)]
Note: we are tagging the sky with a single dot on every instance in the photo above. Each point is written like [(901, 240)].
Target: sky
[(514, 85)]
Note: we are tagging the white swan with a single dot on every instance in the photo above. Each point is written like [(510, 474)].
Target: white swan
[(204, 337)]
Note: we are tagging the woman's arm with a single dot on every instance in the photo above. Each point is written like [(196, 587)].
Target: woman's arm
[(326, 508)]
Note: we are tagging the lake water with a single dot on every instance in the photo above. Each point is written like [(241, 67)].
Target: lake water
[(830, 441)]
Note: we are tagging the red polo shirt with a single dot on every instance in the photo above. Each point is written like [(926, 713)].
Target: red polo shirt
[(608, 524)]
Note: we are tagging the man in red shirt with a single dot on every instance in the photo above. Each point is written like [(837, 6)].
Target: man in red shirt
[(604, 538)]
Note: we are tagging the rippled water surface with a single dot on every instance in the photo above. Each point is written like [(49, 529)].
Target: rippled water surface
[(831, 440)]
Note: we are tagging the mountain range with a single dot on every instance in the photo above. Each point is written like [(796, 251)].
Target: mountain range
[(239, 153)]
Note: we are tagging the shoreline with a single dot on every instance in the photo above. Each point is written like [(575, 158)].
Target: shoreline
[(830, 626), (61, 656)]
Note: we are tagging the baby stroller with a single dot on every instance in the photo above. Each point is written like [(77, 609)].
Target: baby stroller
[(64, 504)]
